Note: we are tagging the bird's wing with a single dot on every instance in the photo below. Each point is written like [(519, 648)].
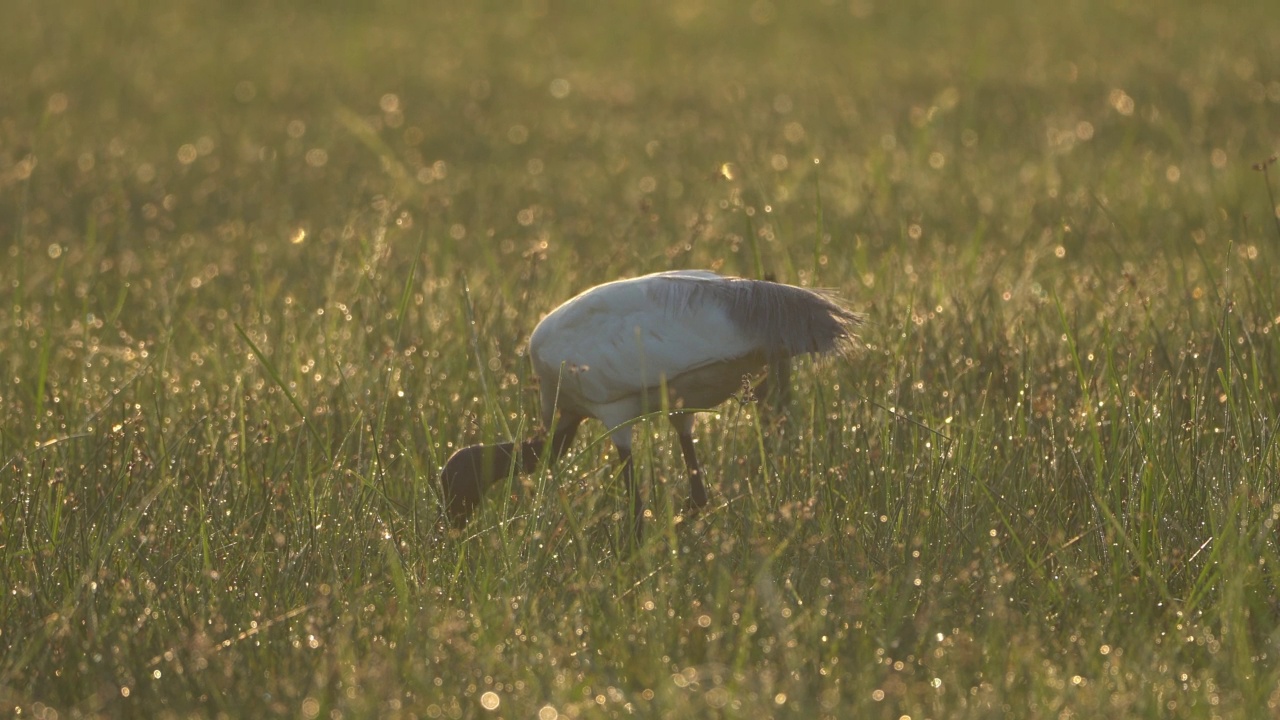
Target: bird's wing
[(624, 338)]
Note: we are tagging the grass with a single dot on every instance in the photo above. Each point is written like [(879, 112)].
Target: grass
[(265, 270)]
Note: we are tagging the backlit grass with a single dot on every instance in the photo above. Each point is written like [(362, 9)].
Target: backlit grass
[(265, 268)]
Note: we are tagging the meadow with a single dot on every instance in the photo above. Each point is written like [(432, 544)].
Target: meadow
[(266, 265)]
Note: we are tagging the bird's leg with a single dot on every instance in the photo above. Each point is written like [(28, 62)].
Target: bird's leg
[(621, 437), (629, 481), (683, 423), (774, 391), (563, 436), (697, 490)]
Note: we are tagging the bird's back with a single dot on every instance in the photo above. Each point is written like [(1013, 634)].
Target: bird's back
[(781, 320), (624, 339)]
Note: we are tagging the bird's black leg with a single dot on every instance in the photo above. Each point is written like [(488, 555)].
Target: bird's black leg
[(563, 436), (629, 481), (697, 490), (683, 423)]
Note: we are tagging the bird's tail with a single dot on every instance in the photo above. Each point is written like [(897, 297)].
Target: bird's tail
[(789, 320)]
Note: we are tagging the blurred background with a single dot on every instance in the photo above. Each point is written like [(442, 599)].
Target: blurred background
[(621, 139)]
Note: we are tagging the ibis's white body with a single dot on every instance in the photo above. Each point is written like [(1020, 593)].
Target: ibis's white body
[(609, 352)]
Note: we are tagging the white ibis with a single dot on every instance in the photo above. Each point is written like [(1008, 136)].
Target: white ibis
[(611, 352)]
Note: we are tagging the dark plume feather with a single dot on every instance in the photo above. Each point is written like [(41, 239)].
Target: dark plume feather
[(785, 319)]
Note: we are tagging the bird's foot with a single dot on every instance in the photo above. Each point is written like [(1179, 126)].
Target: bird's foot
[(692, 509)]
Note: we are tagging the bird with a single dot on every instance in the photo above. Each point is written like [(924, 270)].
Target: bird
[(682, 341)]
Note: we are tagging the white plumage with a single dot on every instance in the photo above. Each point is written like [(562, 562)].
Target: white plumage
[(610, 352)]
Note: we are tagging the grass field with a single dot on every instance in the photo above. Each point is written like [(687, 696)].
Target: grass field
[(267, 266)]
